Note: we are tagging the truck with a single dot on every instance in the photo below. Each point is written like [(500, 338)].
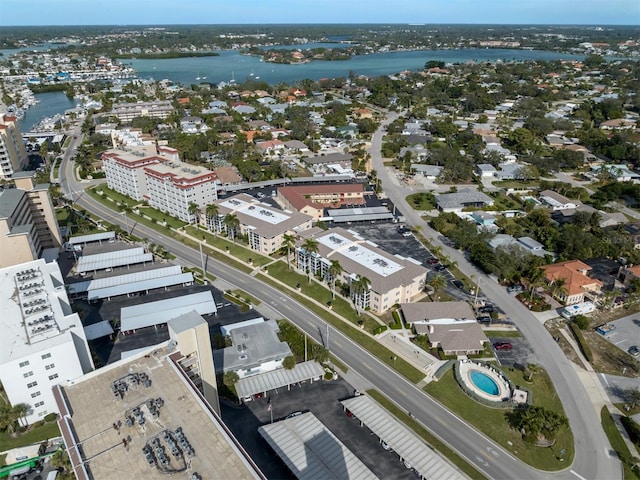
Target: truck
[(577, 309)]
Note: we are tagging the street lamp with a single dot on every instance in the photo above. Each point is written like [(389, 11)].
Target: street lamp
[(126, 220)]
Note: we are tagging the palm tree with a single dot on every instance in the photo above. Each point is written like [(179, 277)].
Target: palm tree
[(211, 212), (310, 246), (288, 242), (232, 223), (437, 282), (335, 270), (359, 287), (194, 211)]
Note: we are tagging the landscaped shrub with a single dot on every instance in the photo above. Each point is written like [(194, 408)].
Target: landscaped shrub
[(586, 351), (379, 329), (632, 428), (581, 321)]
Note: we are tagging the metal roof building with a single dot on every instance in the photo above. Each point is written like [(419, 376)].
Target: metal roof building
[(101, 261), (364, 214), (425, 461), (98, 330), (279, 378), (94, 237), (311, 451), (157, 313)]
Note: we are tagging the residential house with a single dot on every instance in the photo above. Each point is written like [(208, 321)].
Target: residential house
[(525, 244), (430, 172), (485, 170), (464, 198), (618, 172), (577, 283), (556, 201)]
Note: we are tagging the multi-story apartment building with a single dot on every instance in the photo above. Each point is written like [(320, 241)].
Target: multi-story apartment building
[(128, 111), (314, 199), (263, 225), (13, 154), (161, 179), (42, 342), (28, 225), (384, 279)]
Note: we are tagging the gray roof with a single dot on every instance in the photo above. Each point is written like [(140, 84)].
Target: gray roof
[(98, 330), (330, 158), (465, 196), (530, 243), (100, 261), (186, 321), (459, 337), (9, 200), (311, 451), (139, 286), (94, 237), (342, 215), (402, 440), (414, 312), (162, 311), (251, 346), (282, 377), (486, 167), (427, 170)]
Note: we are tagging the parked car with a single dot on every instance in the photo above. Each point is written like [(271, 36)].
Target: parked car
[(486, 309), (517, 288), (439, 267), (433, 261), (502, 346), (634, 350), (458, 284), (485, 320), (406, 233), (385, 446)]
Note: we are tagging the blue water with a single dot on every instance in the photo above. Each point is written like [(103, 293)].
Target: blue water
[(48, 105), (231, 64), (484, 382)]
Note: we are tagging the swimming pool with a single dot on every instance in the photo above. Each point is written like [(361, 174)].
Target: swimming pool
[(484, 382)]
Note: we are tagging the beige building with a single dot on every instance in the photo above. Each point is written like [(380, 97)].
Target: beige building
[(28, 225), (13, 155), (391, 279), (314, 199), (128, 111), (575, 281), (264, 225)]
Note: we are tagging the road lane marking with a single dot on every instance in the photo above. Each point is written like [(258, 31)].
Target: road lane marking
[(604, 379), (577, 475)]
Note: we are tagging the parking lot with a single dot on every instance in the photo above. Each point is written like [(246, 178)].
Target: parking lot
[(321, 398), (520, 352), (627, 332)]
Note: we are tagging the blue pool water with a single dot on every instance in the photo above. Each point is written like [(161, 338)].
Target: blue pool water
[(484, 382)]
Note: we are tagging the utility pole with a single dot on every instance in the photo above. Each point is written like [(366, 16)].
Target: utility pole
[(204, 273), (327, 336), (126, 221)]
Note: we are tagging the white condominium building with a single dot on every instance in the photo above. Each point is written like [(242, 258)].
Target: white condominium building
[(158, 177), (13, 154), (42, 342), (128, 111), (390, 279)]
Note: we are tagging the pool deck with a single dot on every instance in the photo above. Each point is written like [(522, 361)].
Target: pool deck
[(465, 369)]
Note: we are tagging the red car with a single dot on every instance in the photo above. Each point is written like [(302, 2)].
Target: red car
[(433, 261), (502, 346)]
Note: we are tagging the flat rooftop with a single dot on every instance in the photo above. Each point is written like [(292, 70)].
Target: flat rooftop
[(32, 295), (257, 211), (89, 424)]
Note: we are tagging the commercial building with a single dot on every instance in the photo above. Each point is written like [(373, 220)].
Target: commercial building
[(314, 199), (389, 279), (161, 179), (13, 154), (28, 225), (42, 341), (128, 111), (151, 420), (264, 225)]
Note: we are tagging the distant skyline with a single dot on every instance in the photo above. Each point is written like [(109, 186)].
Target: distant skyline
[(167, 12)]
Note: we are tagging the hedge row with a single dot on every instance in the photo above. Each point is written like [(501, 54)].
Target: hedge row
[(577, 333)]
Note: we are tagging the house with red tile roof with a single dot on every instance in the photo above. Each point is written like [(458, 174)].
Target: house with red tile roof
[(577, 283), (314, 199)]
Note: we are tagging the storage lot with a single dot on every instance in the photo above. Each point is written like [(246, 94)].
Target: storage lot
[(627, 332)]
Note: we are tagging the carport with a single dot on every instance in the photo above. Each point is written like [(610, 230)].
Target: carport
[(311, 451), (409, 447), (265, 382)]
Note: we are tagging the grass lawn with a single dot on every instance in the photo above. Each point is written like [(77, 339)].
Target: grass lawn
[(617, 443), (422, 201), (370, 344), (238, 250), (244, 295), (493, 423), (503, 333), (33, 435), (431, 439), (504, 202), (3, 460)]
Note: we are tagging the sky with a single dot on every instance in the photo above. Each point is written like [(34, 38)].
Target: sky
[(167, 12)]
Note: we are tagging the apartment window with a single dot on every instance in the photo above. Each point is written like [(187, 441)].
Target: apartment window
[(35, 394), (24, 364), (46, 355), (53, 377), (28, 374), (39, 404), (32, 384), (49, 367)]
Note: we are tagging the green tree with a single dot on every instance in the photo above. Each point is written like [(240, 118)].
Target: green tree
[(632, 395), (437, 282), (289, 362), (288, 242), (230, 379), (359, 288), (310, 246), (335, 270), (231, 222), (211, 213), (194, 211)]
